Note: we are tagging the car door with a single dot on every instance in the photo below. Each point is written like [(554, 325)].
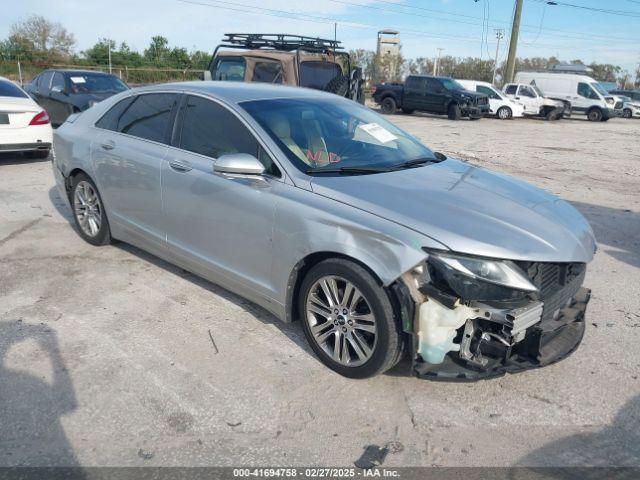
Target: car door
[(58, 99), (528, 97), (414, 93), (41, 93), (127, 158), (220, 225), (434, 97), (586, 97)]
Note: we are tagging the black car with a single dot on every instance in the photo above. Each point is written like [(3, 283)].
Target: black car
[(439, 95), (63, 92)]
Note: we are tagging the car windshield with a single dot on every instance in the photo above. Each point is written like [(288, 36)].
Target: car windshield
[(599, 88), (331, 135), (451, 85), (9, 89), (538, 91), (96, 83)]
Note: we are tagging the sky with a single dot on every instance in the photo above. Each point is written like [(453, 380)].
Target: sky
[(460, 27)]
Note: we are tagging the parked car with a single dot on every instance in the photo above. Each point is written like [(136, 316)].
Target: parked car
[(63, 92), (633, 94), (320, 210), (536, 104), (309, 62), (630, 107), (586, 96), (24, 126), (499, 104), (424, 93)]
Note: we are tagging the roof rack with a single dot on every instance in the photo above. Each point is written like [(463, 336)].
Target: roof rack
[(279, 41)]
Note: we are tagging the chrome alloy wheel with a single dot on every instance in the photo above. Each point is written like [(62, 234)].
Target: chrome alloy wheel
[(87, 208), (341, 321)]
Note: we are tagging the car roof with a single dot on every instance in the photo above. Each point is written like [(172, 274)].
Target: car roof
[(76, 71), (237, 92)]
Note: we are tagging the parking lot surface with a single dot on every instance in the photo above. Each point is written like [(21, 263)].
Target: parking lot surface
[(109, 356)]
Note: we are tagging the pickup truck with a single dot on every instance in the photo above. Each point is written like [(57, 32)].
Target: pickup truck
[(535, 103), (425, 93)]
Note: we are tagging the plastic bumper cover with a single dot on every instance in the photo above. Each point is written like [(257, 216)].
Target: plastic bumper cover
[(544, 344)]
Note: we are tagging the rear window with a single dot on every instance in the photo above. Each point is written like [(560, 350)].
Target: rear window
[(317, 74), (9, 89), (267, 72), (230, 69)]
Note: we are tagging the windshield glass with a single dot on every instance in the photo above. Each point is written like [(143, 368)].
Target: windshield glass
[(451, 85), (96, 83), (9, 89), (599, 88), (538, 91), (332, 134)]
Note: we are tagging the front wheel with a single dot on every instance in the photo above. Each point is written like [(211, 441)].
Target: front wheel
[(454, 112), (88, 211), (627, 113), (504, 113), (594, 115), (348, 319)]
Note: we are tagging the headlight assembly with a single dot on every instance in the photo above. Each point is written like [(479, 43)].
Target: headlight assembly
[(473, 278)]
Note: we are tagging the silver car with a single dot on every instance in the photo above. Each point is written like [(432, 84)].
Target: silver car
[(323, 212)]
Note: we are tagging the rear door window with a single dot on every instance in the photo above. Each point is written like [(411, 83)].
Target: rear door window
[(416, 83), (267, 72), (59, 81), (44, 83), (109, 120), (148, 116)]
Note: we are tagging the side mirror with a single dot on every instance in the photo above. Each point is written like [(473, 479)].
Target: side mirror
[(238, 164), (57, 89)]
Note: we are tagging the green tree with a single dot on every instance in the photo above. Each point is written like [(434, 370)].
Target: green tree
[(47, 39), (158, 51)]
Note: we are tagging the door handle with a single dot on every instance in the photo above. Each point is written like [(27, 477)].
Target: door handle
[(108, 145), (179, 166)]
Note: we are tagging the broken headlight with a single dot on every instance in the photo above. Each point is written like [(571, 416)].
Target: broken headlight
[(475, 278)]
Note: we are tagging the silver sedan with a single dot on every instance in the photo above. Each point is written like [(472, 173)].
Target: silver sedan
[(320, 210)]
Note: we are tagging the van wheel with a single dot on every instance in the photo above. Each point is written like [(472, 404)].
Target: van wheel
[(454, 112), (594, 115), (348, 319), (389, 106), (627, 113), (504, 113)]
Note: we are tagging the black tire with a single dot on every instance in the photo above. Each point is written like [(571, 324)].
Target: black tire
[(37, 153), (388, 346), (408, 111), (553, 114), (338, 85), (594, 115), (388, 105), (627, 113), (453, 113), (103, 234), (504, 113)]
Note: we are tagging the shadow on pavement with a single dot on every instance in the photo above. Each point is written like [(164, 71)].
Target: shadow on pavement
[(31, 433), (8, 158), (617, 445), (617, 228)]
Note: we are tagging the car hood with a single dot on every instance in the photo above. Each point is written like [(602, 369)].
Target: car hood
[(468, 93), (470, 210)]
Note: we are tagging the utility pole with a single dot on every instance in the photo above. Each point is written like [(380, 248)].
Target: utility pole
[(513, 44), (499, 36), (436, 62), (20, 73), (109, 57)]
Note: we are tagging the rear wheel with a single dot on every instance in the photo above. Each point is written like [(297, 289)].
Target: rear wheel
[(348, 319), (388, 105), (504, 113), (88, 211), (454, 112), (594, 115)]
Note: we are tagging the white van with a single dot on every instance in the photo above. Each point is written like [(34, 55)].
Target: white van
[(499, 104), (585, 95)]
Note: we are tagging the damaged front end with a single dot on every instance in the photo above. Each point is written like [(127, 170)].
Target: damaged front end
[(475, 318)]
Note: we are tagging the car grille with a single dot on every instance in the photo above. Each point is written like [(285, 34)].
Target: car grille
[(618, 105), (557, 284)]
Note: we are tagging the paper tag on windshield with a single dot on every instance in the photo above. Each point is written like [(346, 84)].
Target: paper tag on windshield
[(78, 80), (381, 134)]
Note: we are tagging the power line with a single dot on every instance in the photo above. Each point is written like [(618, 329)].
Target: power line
[(622, 13)]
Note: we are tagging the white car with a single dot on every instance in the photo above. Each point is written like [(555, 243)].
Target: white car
[(499, 104), (630, 108), (24, 125)]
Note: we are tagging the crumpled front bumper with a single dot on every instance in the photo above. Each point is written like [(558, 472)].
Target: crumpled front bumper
[(544, 344)]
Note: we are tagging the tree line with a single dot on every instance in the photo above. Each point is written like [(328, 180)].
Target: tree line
[(41, 42)]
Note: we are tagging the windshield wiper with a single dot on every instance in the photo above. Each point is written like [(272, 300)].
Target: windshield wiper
[(348, 170), (437, 158)]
